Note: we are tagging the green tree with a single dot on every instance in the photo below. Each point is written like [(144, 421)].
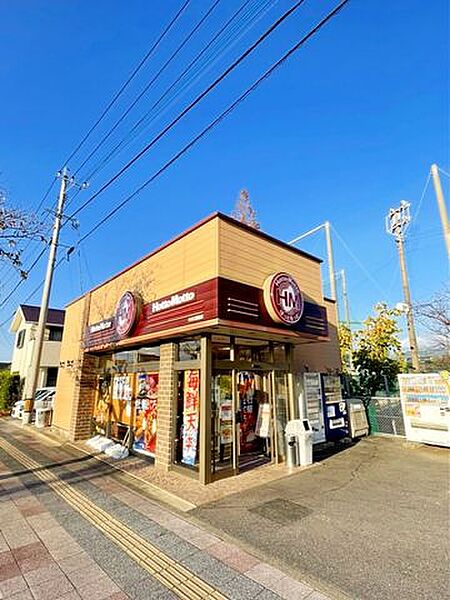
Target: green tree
[(377, 358), (346, 347)]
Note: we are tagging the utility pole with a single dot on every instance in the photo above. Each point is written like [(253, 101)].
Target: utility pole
[(33, 376), (345, 298), (441, 206), (397, 223), (330, 257)]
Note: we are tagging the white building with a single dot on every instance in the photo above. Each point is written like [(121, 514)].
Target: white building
[(24, 325)]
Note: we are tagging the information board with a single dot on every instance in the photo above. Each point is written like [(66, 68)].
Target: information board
[(425, 402)]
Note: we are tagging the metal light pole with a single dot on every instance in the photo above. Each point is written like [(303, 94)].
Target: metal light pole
[(397, 223), (330, 256), (345, 297), (441, 205)]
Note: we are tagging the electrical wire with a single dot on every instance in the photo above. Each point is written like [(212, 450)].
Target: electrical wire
[(215, 122), (238, 32), (149, 85), (133, 74), (192, 104)]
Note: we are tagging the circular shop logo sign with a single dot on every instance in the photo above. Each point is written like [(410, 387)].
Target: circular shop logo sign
[(126, 314), (283, 298)]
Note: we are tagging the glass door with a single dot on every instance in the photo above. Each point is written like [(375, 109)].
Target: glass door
[(254, 419), (223, 425)]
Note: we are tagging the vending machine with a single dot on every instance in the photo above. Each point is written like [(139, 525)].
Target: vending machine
[(334, 408)]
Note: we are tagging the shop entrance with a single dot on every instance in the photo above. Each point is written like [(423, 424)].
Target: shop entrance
[(249, 414)]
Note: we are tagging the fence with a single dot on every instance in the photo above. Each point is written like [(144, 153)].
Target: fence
[(386, 416)]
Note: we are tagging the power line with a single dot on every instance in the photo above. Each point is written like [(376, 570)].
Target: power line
[(149, 85), (217, 120), (192, 104), (129, 80), (135, 130)]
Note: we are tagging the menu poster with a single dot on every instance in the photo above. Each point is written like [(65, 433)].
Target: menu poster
[(190, 416), (263, 421), (123, 391), (145, 427)]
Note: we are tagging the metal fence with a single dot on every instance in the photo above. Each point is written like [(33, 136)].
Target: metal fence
[(386, 416)]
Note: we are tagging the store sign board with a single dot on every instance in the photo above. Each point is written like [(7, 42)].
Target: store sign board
[(283, 298), (172, 301), (191, 400), (127, 311), (101, 326)]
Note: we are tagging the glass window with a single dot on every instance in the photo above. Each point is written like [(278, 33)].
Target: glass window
[(222, 437), (152, 353), (20, 338), (188, 418), (55, 334), (252, 351), (281, 409), (221, 347), (279, 353), (124, 360), (52, 374), (189, 350)]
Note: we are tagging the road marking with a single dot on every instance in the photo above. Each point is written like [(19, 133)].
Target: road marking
[(175, 577)]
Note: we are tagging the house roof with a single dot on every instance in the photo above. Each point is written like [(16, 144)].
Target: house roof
[(55, 316), (30, 314)]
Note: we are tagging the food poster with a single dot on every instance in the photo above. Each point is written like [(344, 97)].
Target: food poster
[(225, 411), (102, 405), (122, 394), (146, 409), (248, 411), (191, 400)]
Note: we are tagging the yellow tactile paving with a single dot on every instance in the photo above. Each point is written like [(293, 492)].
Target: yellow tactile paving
[(162, 567)]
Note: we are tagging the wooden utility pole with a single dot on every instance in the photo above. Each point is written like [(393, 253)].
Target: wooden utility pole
[(397, 222), (441, 206)]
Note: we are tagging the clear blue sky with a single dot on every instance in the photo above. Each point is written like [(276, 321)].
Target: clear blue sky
[(345, 130)]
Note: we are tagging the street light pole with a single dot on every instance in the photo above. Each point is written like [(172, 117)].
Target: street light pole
[(330, 256), (397, 222)]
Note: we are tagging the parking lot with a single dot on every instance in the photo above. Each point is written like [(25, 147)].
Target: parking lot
[(371, 522)]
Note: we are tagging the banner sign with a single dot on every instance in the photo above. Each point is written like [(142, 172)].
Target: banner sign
[(191, 400), (425, 402), (145, 424)]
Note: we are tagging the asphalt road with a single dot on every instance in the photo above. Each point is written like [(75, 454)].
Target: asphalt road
[(371, 522)]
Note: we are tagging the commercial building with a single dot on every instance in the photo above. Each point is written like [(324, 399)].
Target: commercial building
[(198, 350), (24, 325)]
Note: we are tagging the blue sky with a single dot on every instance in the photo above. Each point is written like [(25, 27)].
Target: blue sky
[(343, 131)]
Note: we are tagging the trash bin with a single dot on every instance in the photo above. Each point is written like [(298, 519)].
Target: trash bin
[(291, 450), (305, 443)]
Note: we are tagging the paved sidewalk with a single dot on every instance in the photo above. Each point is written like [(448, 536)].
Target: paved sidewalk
[(70, 528)]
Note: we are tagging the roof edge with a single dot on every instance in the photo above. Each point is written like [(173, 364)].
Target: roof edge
[(207, 219)]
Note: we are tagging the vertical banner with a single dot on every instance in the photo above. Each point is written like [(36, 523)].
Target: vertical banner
[(122, 392), (145, 423), (190, 416)]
